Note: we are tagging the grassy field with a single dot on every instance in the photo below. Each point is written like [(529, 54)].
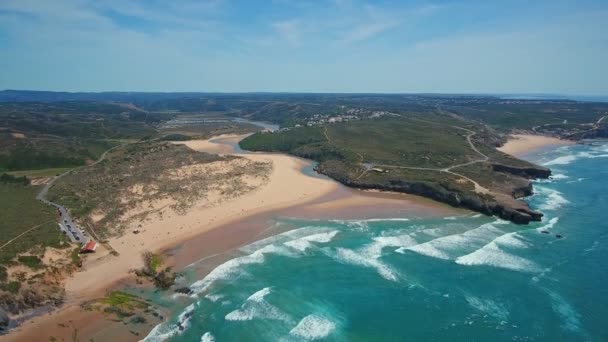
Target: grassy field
[(66, 134), (41, 172), (425, 155), (20, 211)]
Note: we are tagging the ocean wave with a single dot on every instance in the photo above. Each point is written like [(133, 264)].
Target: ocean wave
[(563, 160), (552, 222), (164, 331), (374, 249), (569, 316), (446, 246), (304, 243), (393, 219), (553, 199), (313, 327), (232, 267), (284, 237), (491, 254), (489, 307), (559, 176), (255, 306), (352, 257), (568, 159), (207, 337)]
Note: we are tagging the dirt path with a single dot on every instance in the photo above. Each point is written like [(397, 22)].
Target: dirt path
[(25, 232), (484, 158)]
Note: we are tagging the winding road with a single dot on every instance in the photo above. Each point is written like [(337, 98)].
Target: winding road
[(66, 222)]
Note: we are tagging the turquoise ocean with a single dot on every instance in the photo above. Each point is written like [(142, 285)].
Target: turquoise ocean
[(465, 278)]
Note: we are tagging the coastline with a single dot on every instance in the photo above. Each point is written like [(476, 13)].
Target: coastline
[(217, 231), (520, 144)]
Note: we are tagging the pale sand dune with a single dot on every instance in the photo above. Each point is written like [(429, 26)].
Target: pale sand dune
[(519, 144), (287, 186)]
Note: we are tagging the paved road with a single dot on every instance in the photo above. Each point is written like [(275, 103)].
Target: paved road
[(66, 223)]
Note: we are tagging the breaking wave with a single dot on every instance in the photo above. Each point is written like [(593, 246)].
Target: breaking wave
[(553, 199), (313, 327), (447, 247), (256, 307), (352, 257), (493, 254)]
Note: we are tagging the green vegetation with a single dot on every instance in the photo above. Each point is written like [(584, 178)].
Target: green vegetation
[(137, 175), (440, 156), (66, 134), (176, 137), (120, 305), (22, 213), (31, 261), (3, 274), (11, 287), (41, 173), (123, 299), (163, 278), (11, 179)]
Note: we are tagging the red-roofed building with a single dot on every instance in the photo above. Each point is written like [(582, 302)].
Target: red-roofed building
[(90, 247)]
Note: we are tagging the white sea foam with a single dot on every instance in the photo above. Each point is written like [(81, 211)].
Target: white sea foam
[(570, 318), (552, 222), (259, 296), (394, 219), (256, 307), (476, 216), (374, 249), (563, 160), (305, 242), (559, 176), (489, 307), (233, 267), (349, 256), (492, 255), (512, 240), (163, 332), (553, 199), (567, 159), (445, 247), (214, 297), (207, 337), (313, 327), (451, 218), (284, 237)]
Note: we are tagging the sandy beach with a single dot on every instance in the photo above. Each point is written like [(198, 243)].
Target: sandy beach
[(207, 231), (519, 144)]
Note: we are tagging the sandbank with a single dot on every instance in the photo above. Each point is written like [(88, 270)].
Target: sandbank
[(519, 144)]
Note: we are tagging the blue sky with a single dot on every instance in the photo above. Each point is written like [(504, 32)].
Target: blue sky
[(441, 46)]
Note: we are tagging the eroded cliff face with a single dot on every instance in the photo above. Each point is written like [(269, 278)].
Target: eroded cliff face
[(502, 202), (536, 172)]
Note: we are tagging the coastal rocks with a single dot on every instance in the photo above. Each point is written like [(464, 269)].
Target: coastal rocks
[(4, 321), (501, 205), (184, 290), (526, 172)]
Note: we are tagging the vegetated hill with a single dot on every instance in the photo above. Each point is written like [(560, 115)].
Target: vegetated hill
[(443, 158), (566, 119), (134, 179), (66, 134)]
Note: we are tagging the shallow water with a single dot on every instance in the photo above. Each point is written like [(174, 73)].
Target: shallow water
[(465, 278)]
